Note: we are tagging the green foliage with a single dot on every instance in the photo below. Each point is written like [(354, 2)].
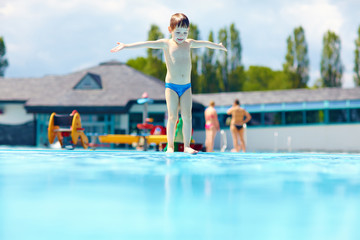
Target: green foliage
[(196, 83), (289, 58), (331, 66), (139, 63), (149, 66), (229, 70), (153, 64), (222, 64), (155, 34), (263, 78), (3, 61), (296, 64), (219, 77), (235, 50), (208, 70), (257, 77), (237, 77), (357, 60)]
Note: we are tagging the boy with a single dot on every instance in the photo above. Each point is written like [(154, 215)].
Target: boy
[(177, 81)]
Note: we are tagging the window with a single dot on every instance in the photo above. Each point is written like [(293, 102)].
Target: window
[(87, 118), (355, 115), (224, 120), (198, 121), (134, 119), (272, 118), (89, 82), (101, 118), (337, 115), (315, 116), (255, 119), (294, 117), (158, 118)]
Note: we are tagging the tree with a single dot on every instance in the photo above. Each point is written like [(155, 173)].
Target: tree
[(331, 66), (155, 34), (3, 61), (149, 66), (209, 83), (222, 68), (153, 64), (235, 48), (264, 78), (258, 78), (229, 68), (196, 84), (296, 64), (236, 76), (357, 60)]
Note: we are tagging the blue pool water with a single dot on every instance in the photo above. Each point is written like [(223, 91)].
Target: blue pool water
[(55, 194)]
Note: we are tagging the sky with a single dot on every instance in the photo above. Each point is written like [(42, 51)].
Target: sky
[(56, 37)]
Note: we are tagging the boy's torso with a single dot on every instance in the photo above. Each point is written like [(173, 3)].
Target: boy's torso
[(178, 62)]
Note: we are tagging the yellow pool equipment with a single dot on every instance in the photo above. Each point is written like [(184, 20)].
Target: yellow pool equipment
[(67, 129)]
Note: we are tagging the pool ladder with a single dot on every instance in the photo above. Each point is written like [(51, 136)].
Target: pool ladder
[(223, 141)]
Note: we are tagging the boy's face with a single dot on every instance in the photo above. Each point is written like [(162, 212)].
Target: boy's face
[(179, 34)]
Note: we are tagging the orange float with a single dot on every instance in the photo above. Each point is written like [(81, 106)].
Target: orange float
[(64, 127)]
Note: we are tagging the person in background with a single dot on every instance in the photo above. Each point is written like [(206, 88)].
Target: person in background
[(211, 126), (239, 117)]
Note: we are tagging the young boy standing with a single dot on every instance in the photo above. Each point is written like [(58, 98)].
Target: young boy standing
[(178, 76)]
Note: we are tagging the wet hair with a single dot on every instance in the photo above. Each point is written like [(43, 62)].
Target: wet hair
[(212, 103), (179, 20), (237, 102)]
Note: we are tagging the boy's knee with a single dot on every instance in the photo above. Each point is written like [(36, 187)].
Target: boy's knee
[(187, 118), (172, 118)]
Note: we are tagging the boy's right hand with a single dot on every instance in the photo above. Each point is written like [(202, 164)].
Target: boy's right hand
[(119, 47), (222, 47)]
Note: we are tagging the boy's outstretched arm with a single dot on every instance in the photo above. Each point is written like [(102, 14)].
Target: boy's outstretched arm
[(201, 43), (147, 44)]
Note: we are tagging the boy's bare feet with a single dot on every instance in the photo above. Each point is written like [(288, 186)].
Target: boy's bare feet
[(190, 150), (170, 150)]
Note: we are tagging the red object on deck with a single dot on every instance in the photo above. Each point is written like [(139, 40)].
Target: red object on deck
[(65, 134), (195, 146), (143, 126), (158, 130)]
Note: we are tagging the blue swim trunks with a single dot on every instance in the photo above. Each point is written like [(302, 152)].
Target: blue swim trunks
[(179, 89)]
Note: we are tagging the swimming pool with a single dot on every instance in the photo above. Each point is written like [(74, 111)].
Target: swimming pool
[(55, 194)]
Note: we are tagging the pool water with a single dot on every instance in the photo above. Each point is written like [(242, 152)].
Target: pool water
[(59, 194)]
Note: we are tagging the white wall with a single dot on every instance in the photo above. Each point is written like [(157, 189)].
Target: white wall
[(327, 138), (15, 114), (124, 121)]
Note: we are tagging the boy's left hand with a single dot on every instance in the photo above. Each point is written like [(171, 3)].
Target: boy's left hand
[(118, 47)]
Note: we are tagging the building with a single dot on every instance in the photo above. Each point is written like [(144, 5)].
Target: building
[(326, 119), (105, 96)]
